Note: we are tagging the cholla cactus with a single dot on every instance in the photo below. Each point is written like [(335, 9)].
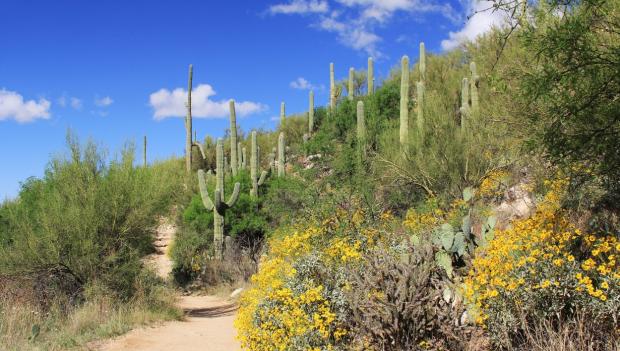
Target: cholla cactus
[(188, 123), (370, 77), (254, 167), (233, 138), (311, 113), (217, 205), (281, 155), (404, 104)]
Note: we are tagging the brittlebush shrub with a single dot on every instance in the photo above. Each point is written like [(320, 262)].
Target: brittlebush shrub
[(545, 270), (296, 301)]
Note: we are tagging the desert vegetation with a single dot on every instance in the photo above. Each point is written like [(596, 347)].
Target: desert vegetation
[(466, 201)]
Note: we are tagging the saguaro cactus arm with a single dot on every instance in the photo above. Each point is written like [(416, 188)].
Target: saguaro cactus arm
[(263, 177), (233, 138), (204, 193), (201, 148), (371, 77), (221, 205)]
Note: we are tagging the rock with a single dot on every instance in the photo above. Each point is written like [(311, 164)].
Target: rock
[(236, 293)]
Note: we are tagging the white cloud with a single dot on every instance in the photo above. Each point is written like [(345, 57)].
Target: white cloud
[(103, 102), (300, 7), (302, 84), (355, 22), (13, 106), (76, 103), (483, 20), (166, 103)]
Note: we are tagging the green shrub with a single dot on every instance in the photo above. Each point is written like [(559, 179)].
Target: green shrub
[(92, 218)]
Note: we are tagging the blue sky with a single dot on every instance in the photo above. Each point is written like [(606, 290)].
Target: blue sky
[(117, 70)]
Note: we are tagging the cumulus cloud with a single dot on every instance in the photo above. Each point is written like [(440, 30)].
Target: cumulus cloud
[(166, 103), (355, 22), (483, 20), (300, 7), (104, 101), (302, 83), (13, 106)]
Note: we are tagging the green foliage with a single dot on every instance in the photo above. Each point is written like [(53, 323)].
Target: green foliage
[(573, 88), (88, 216)]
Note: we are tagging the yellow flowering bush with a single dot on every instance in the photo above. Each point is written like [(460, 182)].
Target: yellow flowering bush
[(296, 300), (544, 267)]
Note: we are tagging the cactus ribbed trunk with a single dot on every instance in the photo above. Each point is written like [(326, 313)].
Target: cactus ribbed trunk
[(311, 113), (473, 87), (244, 165), (404, 104), (350, 86), (282, 114), (218, 218), (420, 109), (144, 152), (188, 123), (371, 77), (281, 156), (239, 156), (254, 166), (332, 88), (422, 63), (464, 102), (361, 131), (233, 138)]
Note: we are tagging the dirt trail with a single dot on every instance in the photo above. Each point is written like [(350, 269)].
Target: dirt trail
[(209, 319)]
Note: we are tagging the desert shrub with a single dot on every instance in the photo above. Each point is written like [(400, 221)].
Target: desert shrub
[(297, 298), (87, 217), (545, 271), (285, 197), (400, 300)]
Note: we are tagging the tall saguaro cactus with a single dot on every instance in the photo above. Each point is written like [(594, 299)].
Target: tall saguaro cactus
[(332, 88), (217, 205), (404, 104), (370, 77), (361, 130), (473, 90), (311, 113), (422, 64), (188, 123), (464, 102), (144, 152), (239, 156), (282, 114), (350, 86), (233, 138), (281, 155), (254, 168)]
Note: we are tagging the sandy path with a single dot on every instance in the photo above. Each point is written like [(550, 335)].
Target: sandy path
[(208, 325)]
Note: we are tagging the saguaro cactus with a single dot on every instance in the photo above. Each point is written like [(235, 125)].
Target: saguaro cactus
[(233, 138), (404, 104), (422, 64), (350, 86), (188, 123), (244, 164), (311, 112), (254, 168), (144, 152), (464, 102), (332, 88), (361, 130), (239, 156), (217, 205), (370, 77), (420, 108), (281, 156), (282, 114), (473, 87)]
